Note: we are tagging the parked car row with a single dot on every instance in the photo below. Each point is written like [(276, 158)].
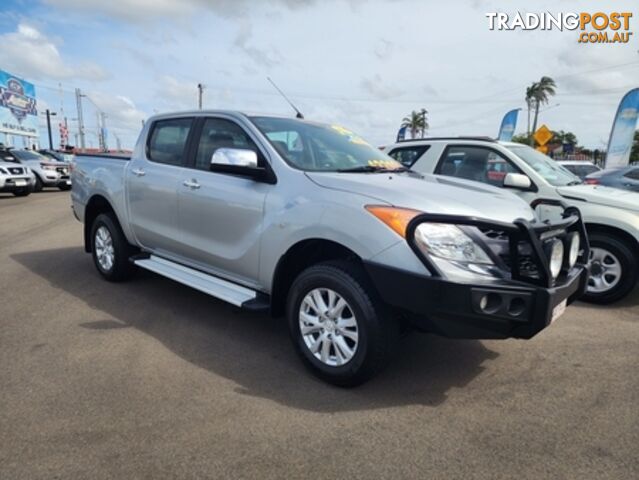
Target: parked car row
[(26, 171)]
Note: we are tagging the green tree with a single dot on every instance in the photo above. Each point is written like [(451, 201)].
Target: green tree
[(416, 122), (564, 137), (538, 94), (522, 138)]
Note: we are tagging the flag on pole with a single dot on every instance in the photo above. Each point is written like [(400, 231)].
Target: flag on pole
[(623, 130)]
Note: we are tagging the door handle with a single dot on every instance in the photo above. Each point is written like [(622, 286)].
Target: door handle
[(138, 172), (191, 184)]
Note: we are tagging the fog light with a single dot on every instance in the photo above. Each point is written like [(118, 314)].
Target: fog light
[(556, 258), (490, 303), (573, 249)]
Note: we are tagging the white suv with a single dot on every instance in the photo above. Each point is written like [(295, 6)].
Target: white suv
[(611, 215)]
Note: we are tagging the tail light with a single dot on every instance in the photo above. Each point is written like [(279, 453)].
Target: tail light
[(592, 181)]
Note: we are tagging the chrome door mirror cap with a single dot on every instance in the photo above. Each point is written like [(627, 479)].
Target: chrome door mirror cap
[(236, 157), (517, 180)]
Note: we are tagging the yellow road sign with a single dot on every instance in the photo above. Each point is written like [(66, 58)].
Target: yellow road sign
[(543, 135)]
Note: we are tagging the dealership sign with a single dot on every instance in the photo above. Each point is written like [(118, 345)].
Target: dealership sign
[(18, 114)]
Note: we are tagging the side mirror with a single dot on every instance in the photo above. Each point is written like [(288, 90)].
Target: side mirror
[(237, 161), (517, 180), (234, 157)]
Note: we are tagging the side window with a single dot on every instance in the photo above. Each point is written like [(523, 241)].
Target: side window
[(632, 174), (475, 163), (168, 140), (407, 156), (220, 133)]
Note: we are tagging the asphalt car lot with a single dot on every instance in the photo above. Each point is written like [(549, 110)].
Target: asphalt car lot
[(150, 379)]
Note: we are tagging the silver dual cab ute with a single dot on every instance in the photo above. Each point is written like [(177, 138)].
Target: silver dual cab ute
[(308, 220)]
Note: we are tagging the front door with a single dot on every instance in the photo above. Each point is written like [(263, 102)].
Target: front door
[(220, 215)]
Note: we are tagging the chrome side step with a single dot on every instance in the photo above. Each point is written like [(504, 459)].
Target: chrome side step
[(214, 286)]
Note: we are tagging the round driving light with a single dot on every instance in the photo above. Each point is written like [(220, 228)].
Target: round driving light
[(573, 249), (556, 258)]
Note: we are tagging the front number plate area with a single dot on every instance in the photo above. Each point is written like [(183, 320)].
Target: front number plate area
[(558, 310)]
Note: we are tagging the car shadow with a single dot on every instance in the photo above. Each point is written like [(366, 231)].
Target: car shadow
[(253, 350)]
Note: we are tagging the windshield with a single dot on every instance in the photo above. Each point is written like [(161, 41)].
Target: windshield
[(545, 166), (327, 148), (29, 155)]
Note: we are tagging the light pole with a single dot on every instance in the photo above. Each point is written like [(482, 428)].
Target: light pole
[(200, 90), (49, 114)]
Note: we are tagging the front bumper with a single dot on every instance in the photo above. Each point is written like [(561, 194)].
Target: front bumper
[(519, 297), (451, 309), (13, 184)]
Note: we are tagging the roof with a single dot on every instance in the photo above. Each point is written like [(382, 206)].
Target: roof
[(433, 139), (575, 162)]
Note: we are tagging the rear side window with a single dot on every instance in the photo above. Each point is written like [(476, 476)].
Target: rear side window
[(632, 174), (407, 156), (168, 140)]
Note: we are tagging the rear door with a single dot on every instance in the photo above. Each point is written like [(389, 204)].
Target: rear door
[(221, 214), (153, 181)]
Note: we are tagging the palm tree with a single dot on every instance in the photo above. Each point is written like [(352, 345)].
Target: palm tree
[(416, 122), (541, 93), (530, 101)]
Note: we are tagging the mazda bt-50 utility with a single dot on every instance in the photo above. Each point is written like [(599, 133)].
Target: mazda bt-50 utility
[(306, 219)]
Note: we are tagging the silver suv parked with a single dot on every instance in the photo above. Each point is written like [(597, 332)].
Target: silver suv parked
[(16, 179), (295, 217), (48, 172)]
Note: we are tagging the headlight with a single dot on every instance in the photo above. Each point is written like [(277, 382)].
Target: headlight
[(2, 170), (450, 243), (556, 258), (573, 249)]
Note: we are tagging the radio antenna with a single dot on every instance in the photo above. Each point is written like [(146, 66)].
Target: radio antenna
[(298, 113)]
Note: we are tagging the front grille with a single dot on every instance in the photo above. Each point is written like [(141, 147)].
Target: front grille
[(527, 266), (494, 234), (15, 170)]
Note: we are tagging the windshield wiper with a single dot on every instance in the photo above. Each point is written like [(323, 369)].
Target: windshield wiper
[(372, 169), (574, 182)]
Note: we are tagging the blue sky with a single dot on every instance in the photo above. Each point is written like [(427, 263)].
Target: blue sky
[(361, 63)]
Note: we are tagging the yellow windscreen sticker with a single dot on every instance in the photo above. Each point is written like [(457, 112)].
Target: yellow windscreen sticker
[(390, 164)]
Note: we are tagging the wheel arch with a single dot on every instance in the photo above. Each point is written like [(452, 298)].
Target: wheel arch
[(297, 258), (96, 205), (616, 231)]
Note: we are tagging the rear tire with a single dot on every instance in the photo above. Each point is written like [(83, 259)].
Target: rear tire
[(336, 305), (613, 269), (110, 249)]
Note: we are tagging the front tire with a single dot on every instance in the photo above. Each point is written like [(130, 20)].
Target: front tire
[(23, 192), (65, 188), (38, 184), (110, 249), (613, 269), (338, 325)]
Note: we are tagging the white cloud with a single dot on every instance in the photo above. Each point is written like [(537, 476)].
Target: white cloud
[(378, 89), (264, 57), (120, 110), (30, 53)]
